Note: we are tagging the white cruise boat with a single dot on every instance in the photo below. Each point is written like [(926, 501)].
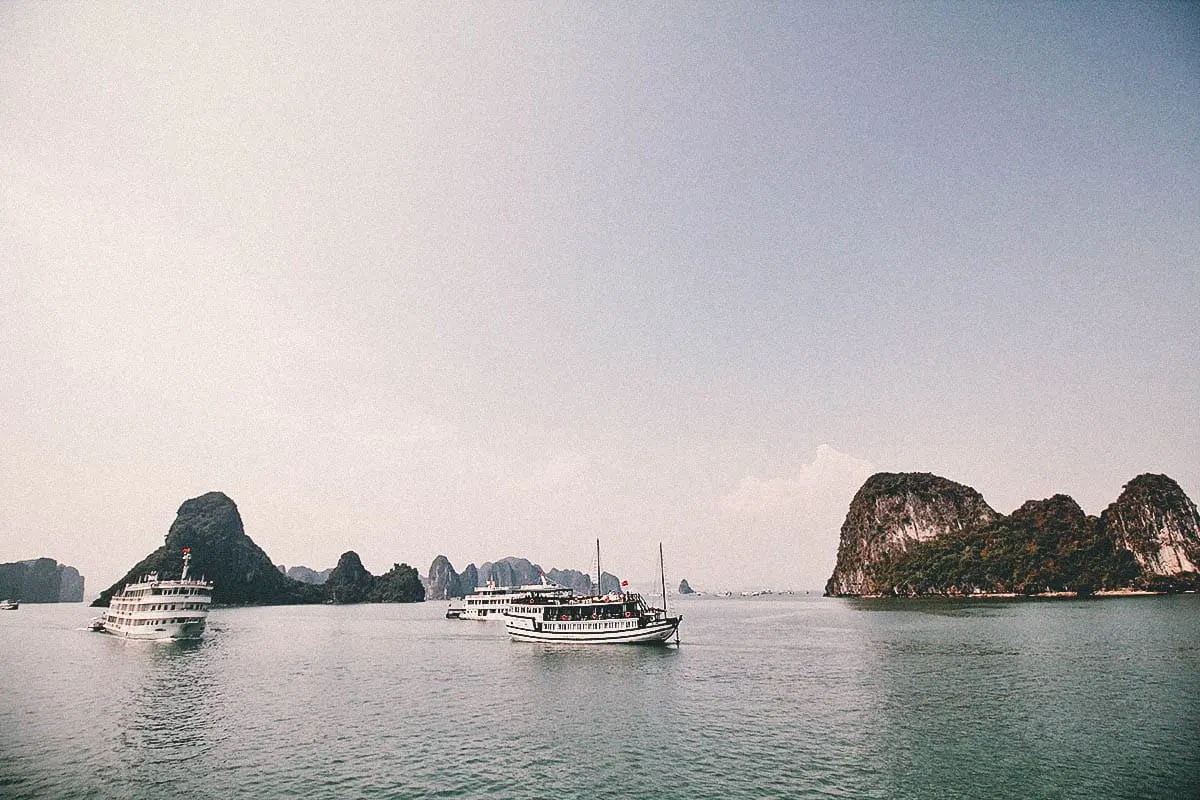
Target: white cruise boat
[(491, 601), (159, 609), (622, 618)]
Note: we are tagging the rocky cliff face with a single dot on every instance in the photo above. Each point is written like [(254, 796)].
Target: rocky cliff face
[(510, 571), (443, 581), (40, 580), (70, 585), (222, 552), (893, 512), (1158, 523), (468, 579), (583, 582)]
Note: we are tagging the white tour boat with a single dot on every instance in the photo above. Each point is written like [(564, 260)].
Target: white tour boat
[(159, 609), (622, 618), (491, 601), (9, 605), (615, 618)]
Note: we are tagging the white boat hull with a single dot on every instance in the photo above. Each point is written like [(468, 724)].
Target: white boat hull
[(524, 629), (483, 615), (181, 631)]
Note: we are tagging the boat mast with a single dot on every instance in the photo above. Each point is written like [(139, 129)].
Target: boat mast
[(662, 574), (187, 557), (599, 574)]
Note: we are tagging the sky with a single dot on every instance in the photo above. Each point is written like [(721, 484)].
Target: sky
[(491, 279)]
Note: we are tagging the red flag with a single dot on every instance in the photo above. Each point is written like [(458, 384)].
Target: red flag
[(187, 549), (624, 583)]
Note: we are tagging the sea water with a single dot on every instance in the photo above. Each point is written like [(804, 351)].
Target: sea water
[(778, 696)]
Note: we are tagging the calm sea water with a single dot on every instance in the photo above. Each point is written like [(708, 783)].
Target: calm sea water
[(794, 696)]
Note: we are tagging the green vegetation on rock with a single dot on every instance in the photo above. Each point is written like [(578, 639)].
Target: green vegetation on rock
[(1045, 546), (400, 584)]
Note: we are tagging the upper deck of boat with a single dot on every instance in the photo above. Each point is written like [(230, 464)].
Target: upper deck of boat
[(150, 586)]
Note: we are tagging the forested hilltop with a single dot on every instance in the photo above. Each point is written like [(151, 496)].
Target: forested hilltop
[(915, 534)]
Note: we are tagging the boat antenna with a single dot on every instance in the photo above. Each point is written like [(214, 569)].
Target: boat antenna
[(662, 572)]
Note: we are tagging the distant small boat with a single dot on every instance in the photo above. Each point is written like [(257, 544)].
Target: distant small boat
[(9, 605), (158, 609)]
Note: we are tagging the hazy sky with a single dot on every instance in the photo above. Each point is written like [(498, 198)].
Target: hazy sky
[(489, 279)]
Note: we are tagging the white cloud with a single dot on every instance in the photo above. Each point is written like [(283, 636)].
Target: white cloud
[(832, 477), (784, 529)]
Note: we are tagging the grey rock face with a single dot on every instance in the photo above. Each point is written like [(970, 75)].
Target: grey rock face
[(40, 580), (443, 582), (1158, 523), (890, 513), (308, 575), (70, 585)]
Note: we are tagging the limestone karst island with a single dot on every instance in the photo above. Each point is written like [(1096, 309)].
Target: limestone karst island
[(916, 534), (905, 534), (242, 574)]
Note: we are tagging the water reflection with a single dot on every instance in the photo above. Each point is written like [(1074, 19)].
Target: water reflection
[(166, 718), (938, 606), (558, 656)]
